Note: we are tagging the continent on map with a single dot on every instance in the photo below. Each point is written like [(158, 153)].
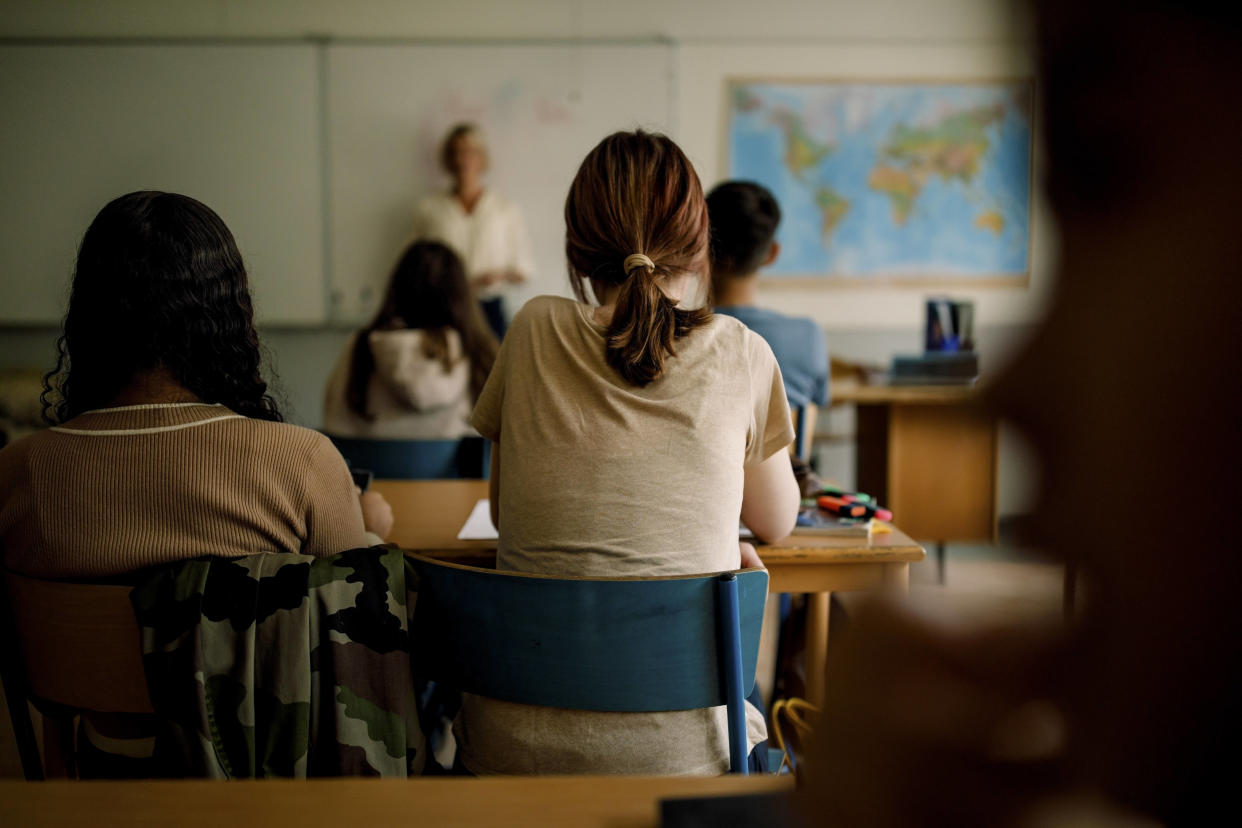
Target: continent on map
[(745, 100), (952, 149), (991, 220), (832, 208), (901, 186), (802, 152)]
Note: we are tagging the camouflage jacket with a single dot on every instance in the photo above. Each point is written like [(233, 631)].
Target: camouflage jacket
[(282, 665)]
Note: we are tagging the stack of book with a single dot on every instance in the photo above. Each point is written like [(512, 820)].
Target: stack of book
[(840, 513), (837, 513)]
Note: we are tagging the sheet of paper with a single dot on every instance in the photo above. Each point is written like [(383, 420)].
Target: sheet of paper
[(479, 525)]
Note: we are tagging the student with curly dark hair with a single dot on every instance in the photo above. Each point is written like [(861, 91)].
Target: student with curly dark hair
[(165, 443)]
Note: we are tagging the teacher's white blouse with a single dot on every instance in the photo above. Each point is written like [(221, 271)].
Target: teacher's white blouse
[(493, 237)]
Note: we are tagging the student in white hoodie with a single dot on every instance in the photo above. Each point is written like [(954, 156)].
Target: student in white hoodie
[(415, 372)]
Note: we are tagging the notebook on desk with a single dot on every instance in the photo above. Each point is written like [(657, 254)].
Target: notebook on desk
[(479, 525), (813, 520)]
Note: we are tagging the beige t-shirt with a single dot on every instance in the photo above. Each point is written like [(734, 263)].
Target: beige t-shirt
[(602, 478)]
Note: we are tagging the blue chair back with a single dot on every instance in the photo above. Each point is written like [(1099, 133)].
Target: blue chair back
[(631, 645), (417, 459)]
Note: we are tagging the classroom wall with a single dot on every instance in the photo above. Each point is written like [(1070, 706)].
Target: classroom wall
[(713, 39), (910, 20)]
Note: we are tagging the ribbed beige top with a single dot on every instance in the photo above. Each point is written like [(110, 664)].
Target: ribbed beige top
[(121, 489)]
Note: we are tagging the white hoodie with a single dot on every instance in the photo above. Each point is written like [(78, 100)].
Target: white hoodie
[(410, 396)]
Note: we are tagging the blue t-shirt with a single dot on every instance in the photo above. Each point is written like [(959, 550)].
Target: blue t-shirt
[(799, 347)]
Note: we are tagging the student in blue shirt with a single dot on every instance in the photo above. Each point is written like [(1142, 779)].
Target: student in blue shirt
[(744, 217)]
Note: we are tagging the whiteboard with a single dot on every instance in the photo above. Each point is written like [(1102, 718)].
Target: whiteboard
[(235, 126), (541, 107)]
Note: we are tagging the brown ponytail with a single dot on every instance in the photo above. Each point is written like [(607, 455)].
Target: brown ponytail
[(637, 193), (644, 327)]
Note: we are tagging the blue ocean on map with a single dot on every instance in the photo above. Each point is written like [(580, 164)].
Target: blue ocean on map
[(890, 180)]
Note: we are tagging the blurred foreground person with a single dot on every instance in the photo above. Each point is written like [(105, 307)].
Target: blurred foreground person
[(1128, 392)]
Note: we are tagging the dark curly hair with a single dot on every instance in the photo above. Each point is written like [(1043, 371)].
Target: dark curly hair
[(159, 283)]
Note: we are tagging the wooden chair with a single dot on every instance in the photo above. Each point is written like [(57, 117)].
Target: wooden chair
[(417, 459), (629, 645), (66, 647)]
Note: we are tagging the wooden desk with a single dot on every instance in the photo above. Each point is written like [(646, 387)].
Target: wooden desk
[(929, 453), (429, 514), (332, 803)]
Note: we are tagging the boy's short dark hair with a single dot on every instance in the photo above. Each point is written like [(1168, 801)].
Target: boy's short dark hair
[(744, 216)]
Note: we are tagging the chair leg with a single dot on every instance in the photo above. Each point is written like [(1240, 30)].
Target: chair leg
[(24, 735), (818, 620), (58, 751), (13, 681), (731, 663)]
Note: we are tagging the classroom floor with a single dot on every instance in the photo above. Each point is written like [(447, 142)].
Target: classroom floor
[(983, 584)]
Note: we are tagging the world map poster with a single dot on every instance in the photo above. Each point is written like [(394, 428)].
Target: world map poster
[(880, 182)]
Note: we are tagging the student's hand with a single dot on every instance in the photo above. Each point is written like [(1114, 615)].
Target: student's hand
[(750, 558), (514, 278), (376, 514)]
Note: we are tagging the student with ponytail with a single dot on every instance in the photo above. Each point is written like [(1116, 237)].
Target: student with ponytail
[(630, 435)]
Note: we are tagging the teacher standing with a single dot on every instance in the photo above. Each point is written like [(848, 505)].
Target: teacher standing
[(483, 227)]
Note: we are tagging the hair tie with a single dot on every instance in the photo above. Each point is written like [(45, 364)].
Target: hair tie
[(637, 260)]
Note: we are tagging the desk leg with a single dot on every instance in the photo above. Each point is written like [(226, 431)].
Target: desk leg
[(817, 606), (897, 577)]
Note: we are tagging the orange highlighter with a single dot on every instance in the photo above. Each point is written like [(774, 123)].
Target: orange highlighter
[(844, 508), (840, 507)]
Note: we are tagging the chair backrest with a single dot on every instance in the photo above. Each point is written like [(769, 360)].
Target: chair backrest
[(67, 648), (804, 431), (77, 645), (641, 644), (416, 459)]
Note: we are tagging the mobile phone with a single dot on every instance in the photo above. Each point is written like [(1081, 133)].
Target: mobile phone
[(362, 478)]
